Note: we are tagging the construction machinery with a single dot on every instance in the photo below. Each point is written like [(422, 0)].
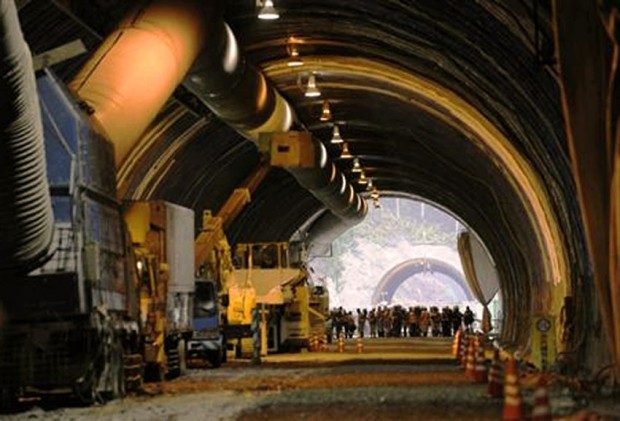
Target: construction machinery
[(72, 291), (268, 277), (292, 307), (72, 313), (223, 304), (208, 339), (162, 236)]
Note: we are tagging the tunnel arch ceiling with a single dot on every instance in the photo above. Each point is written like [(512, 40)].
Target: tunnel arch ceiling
[(420, 59), (478, 55), (395, 277)]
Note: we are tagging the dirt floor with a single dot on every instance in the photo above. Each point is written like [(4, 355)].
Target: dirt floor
[(319, 386)]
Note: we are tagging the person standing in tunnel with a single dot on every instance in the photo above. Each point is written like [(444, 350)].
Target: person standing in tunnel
[(457, 319), (412, 322), (362, 316), (468, 319), (372, 322), (446, 322), (435, 320), (350, 325), (424, 321), (380, 317)]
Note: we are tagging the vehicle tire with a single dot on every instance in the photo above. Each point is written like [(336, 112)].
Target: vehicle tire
[(224, 353), (118, 370), (215, 358), (8, 399), (173, 358), (182, 361), (153, 372), (86, 390)]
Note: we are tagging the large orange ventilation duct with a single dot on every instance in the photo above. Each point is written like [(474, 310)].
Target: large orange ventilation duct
[(26, 221), (135, 71)]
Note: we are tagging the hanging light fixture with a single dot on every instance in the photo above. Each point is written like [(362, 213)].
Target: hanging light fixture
[(326, 112), (356, 165), (345, 154), (267, 11), (294, 59), (369, 186), (311, 90), (336, 138), (362, 180)]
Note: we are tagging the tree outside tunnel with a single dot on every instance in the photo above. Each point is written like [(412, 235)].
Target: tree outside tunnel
[(405, 252)]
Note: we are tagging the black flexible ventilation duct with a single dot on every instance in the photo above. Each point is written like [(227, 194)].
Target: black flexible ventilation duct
[(26, 222), (241, 96)]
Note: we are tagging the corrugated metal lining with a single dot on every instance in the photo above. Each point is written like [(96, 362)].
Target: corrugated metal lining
[(46, 25), (187, 159), (459, 45), (279, 207)]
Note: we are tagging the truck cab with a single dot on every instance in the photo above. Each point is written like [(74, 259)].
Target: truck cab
[(208, 342)]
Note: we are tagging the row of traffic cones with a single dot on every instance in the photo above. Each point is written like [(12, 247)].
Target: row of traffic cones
[(469, 352), (473, 359), (513, 401), (359, 347)]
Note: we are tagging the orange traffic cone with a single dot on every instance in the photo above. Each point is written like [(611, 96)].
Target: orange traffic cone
[(456, 345), (359, 346), (542, 409), (324, 343), (464, 349), (480, 365), (513, 402), (496, 382), (341, 343), (470, 363)]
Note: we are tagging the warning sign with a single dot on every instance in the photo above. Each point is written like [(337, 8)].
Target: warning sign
[(543, 341)]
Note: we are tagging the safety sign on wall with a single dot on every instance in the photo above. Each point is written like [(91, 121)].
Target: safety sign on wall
[(543, 341)]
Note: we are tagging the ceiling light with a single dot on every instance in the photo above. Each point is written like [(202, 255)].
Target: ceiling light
[(345, 154), (362, 180), (311, 90), (356, 165), (267, 11), (369, 186), (374, 194), (294, 60), (326, 112), (336, 138)]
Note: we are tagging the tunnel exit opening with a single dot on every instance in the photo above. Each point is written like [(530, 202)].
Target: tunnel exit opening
[(404, 254)]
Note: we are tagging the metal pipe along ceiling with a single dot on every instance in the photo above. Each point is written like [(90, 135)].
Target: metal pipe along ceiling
[(136, 69), (242, 97), (26, 221)]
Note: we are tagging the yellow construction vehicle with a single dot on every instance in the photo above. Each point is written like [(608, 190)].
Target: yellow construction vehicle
[(162, 235), (224, 319), (293, 309)]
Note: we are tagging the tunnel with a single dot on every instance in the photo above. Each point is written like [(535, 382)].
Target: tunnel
[(481, 109), (395, 277)]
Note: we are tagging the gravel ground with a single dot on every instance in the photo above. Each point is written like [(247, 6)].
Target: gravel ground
[(312, 387)]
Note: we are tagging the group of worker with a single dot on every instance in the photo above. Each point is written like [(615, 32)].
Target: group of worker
[(398, 321)]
